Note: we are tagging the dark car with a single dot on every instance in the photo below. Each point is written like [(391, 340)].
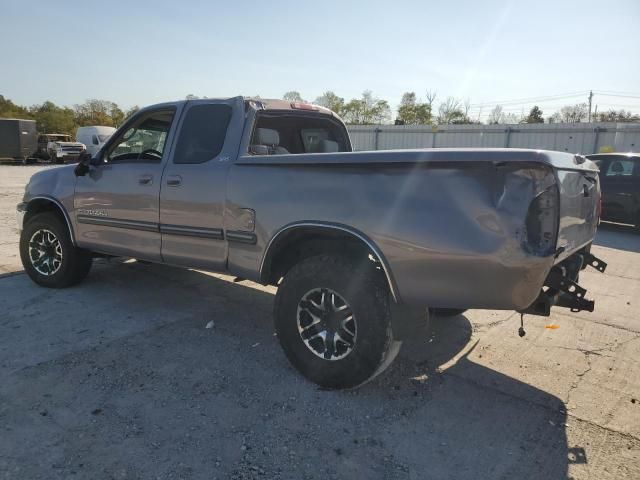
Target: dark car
[(620, 183)]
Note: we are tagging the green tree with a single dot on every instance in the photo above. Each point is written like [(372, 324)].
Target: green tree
[(117, 115), (95, 112), (8, 109), (331, 101), (535, 116), (412, 112), (130, 112), (367, 110), (53, 119)]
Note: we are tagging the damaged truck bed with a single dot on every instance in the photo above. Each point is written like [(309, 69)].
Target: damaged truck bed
[(361, 245)]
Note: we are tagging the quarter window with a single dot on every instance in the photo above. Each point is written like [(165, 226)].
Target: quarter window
[(202, 134)]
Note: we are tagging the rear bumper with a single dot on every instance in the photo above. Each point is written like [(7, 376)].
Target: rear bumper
[(21, 210)]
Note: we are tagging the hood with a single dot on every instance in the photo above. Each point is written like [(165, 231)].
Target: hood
[(70, 144), (51, 180)]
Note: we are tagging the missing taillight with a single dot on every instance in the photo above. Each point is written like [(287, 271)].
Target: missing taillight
[(542, 223)]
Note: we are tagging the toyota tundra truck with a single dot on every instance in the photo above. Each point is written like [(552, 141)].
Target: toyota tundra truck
[(362, 246)]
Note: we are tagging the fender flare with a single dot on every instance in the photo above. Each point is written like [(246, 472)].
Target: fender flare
[(60, 207), (344, 229)]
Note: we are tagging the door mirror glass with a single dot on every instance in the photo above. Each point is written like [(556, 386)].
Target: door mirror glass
[(82, 168)]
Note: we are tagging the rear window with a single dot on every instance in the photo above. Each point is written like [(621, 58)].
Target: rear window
[(202, 134), (622, 167), (289, 133)]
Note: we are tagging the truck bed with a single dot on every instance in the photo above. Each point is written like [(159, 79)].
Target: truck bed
[(451, 223)]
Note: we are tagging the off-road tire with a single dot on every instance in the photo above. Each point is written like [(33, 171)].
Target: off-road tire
[(75, 264), (366, 293), (447, 312)]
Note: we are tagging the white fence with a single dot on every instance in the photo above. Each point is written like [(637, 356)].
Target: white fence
[(575, 138)]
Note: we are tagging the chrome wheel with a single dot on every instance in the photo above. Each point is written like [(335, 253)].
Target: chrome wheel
[(45, 252), (326, 324)]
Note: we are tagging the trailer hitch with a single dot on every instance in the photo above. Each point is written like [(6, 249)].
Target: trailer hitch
[(561, 288), (571, 294)]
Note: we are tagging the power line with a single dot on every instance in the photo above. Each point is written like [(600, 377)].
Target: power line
[(531, 99), (617, 95)]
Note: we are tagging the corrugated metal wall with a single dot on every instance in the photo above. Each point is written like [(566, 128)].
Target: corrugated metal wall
[(575, 138)]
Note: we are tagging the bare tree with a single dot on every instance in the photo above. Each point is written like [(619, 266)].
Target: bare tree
[(496, 115), (431, 97), (574, 113), (293, 96)]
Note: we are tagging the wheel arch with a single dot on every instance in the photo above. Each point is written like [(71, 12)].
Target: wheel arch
[(41, 204), (281, 254)]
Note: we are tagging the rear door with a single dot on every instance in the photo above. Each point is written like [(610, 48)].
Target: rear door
[(193, 189), (117, 202)]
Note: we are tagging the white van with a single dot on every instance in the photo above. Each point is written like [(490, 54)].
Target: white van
[(94, 137)]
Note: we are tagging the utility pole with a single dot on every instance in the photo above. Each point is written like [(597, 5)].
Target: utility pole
[(590, 98)]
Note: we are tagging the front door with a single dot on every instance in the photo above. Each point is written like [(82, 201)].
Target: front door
[(117, 202), (193, 190)]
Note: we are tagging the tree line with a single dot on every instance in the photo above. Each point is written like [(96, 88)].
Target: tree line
[(364, 110), (369, 110), (51, 118)]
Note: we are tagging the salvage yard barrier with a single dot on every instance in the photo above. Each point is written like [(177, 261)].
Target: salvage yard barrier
[(585, 138)]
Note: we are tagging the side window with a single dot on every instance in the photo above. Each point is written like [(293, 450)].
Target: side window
[(202, 134), (94, 139), (144, 140), (620, 167)]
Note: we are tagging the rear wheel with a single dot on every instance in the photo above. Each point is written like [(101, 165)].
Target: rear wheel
[(48, 255), (333, 321)]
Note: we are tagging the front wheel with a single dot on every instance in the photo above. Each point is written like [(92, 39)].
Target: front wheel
[(333, 321), (48, 255)]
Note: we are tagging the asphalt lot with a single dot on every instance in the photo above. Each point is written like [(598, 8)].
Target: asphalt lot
[(119, 378)]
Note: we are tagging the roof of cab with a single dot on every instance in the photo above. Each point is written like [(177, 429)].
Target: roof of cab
[(256, 103)]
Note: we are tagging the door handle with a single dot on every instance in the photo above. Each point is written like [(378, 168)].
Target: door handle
[(145, 180), (174, 180)]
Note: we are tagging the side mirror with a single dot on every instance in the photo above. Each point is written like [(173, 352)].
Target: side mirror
[(84, 160)]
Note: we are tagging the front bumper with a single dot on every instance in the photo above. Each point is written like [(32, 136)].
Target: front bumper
[(21, 210)]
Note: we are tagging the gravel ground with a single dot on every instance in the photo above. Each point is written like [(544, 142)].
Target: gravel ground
[(119, 378)]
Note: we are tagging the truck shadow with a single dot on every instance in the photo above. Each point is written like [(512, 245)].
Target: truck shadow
[(618, 236), (490, 425), (210, 391)]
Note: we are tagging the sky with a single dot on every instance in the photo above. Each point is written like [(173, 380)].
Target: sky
[(144, 52)]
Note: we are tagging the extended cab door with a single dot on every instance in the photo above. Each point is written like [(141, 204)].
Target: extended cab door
[(117, 202), (193, 190)]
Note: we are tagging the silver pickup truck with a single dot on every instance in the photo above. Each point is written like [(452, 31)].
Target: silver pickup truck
[(362, 246)]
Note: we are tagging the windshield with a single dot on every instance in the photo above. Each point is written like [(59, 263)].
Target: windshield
[(59, 138)]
